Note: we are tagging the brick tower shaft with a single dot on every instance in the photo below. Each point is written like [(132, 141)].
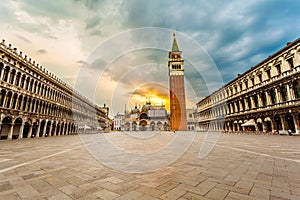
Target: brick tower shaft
[(178, 119)]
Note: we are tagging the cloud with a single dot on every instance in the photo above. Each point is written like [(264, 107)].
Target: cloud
[(236, 34), (24, 38), (42, 51)]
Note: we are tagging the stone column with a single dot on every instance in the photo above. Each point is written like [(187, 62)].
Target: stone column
[(267, 93), (45, 127), (296, 123), (264, 126), (288, 92), (241, 106), (282, 122), (67, 130), (38, 130), (63, 129), (252, 103), (259, 100), (246, 103), (50, 130), (30, 131), (292, 92), (278, 96), (10, 133), (58, 130), (21, 130)]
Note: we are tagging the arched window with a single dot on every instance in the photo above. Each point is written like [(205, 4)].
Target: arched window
[(6, 72), (20, 102), (8, 99), (1, 68), (27, 83), (17, 81), (22, 81), (15, 98), (12, 76), (296, 87), (283, 93), (31, 85), (24, 103), (273, 96), (264, 99), (255, 101), (2, 97)]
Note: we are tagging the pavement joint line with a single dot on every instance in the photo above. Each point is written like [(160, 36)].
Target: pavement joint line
[(261, 154), (4, 160), (44, 157)]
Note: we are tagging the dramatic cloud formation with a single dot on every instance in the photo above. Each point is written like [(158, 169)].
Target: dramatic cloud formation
[(63, 35)]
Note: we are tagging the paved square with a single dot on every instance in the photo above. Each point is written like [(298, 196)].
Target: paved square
[(65, 167)]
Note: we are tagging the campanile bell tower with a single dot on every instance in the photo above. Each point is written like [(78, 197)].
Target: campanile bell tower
[(178, 120)]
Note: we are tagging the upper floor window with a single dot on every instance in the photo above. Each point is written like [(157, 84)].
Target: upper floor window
[(278, 68), (291, 63), (241, 86), (246, 84), (252, 81), (259, 77), (268, 72)]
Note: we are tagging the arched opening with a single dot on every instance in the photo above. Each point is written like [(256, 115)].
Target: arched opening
[(17, 128), (152, 126), (143, 125), (290, 122), (43, 124), (277, 123), (268, 124), (62, 129), (134, 126), (159, 125), (35, 126), (5, 128), (127, 126), (235, 126), (259, 124), (53, 129), (48, 129), (143, 116), (26, 129)]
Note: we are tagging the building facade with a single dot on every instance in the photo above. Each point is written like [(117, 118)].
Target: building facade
[(148, 118), (177, 91), (266, 98), (191, 122), (119, 120), (36, 103)]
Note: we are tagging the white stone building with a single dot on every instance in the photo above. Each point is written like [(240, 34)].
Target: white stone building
[(266, 98)]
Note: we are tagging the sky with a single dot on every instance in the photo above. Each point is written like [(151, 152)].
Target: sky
[(116, 52)]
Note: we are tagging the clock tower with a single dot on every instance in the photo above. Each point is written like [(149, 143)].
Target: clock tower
[(178, 120)]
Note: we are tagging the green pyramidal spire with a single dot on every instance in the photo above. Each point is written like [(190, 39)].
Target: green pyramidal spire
[(174, 45)]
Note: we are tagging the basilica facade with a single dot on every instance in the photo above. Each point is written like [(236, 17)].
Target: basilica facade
[(36, 103), (148, 118), (265, 99)]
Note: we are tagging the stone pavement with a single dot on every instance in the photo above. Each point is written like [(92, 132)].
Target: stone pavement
[(238, 167)]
